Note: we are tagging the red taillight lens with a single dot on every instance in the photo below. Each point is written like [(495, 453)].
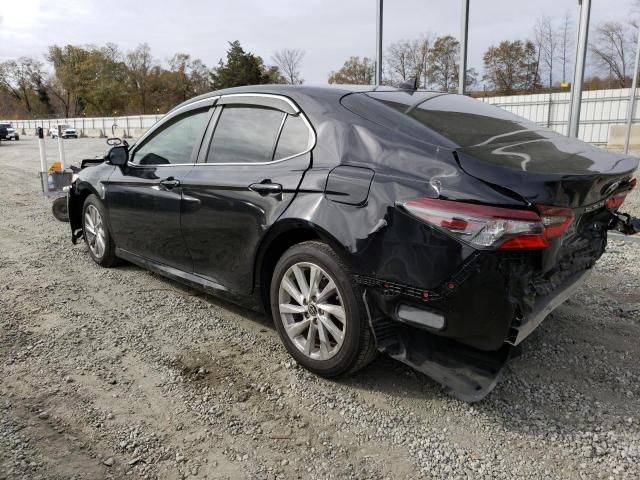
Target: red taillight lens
[(615, 202), (556, 220), (482, 226)]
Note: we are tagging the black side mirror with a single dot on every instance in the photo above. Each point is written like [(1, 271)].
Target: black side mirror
[(118, 155)]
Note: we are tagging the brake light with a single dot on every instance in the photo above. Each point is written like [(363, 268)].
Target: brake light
[(556, 220), (616, 201), (482, 226)]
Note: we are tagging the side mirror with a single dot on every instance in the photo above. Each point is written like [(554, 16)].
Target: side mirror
[(118, 155)]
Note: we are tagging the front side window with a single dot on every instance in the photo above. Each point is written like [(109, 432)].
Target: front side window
[(245, 135), (174, 143)]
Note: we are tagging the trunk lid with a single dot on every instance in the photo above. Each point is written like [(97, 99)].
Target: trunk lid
[(545, 168)]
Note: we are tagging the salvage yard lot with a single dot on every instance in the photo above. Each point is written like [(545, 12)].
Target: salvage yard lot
[(119, 373)]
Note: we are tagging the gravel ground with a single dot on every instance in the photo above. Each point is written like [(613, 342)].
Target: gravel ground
[(120, 373)]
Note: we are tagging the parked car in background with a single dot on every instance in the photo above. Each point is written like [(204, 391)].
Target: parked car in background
[(8, 132), (432, 227), (67, 131)]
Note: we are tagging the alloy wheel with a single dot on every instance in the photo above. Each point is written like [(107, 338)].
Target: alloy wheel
[(312, 311), (94, 231)]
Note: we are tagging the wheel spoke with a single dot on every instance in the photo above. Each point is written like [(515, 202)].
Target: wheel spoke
[(314, 279), (88, 223), (311, 339), (290, 308), (297, 328), (335, 310), (99, 245), (327, 291), (292, 290), (301, 281), (324, 341), (335, 332)]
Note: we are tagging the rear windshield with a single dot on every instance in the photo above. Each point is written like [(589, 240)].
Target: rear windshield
[(463, 120)]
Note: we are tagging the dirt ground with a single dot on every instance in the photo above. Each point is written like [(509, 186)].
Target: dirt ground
[(123, 374)]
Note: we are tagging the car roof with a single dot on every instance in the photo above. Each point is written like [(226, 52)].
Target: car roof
[(338, 90)]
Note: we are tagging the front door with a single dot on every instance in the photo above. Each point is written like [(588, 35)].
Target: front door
[(144, 198), (246, 177)]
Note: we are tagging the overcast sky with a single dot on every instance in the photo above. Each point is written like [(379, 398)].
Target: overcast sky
[(329, 31)]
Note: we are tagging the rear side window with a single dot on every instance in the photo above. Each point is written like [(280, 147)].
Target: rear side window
[(245, 135), (294, 138), (173, 143)]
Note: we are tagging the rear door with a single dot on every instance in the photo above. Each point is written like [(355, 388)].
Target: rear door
[(255, 153), (144, 198)]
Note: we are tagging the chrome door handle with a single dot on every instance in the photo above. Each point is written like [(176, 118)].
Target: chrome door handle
[(266, 188), (170, 183)]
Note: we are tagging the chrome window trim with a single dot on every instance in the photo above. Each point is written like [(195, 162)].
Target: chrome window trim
[(266, 95), (312, 136)]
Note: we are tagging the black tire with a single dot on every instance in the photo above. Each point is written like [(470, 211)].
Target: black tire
[(59, 209), (358, 347), (108, 257)]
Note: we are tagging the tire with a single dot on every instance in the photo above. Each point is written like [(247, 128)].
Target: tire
[(330, 356), (96, 233), (59, 209)]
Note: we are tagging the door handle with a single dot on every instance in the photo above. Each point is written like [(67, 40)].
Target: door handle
[(265, 187), (170, 183)]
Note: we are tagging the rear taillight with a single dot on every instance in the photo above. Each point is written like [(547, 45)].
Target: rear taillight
[(484, 226), (616, 201)]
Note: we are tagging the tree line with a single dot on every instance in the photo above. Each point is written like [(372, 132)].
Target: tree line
[(102, 81), (76, 80), (541, 63)]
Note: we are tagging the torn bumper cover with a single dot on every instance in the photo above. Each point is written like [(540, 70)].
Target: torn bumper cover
[(466, 373)]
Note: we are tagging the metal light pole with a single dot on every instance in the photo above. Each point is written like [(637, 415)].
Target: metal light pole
[(378, 80), (632, 99), (464, 34), (578, 74)]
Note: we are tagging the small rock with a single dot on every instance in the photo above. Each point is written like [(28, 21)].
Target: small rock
[(109, 462), (43, 415)]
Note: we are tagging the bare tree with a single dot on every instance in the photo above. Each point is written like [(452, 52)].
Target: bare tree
[(139, 64), (547, 45), (611, 50), (289, 61), (565, 35), (409, 59)]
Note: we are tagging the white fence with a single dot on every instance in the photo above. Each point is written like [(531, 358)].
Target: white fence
[(601, 109), (132, 125)]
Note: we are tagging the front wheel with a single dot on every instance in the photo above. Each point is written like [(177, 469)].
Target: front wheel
[(318, 312), (96, 233)]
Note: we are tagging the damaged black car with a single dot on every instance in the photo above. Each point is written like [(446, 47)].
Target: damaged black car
[(431, 227)]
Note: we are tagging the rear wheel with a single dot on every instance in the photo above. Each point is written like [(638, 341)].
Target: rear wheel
[(96, 233), (318, 311)]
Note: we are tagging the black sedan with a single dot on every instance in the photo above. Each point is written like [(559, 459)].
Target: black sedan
[(429, 226)]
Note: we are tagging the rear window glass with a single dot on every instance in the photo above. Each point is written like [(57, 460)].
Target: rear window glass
[(462, 120)]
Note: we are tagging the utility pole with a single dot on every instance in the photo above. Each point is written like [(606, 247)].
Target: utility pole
[(464, 39), (379, 7), (632, 99), (578, 74)]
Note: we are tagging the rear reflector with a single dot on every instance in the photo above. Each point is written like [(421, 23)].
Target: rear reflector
[(485, 226), (418, 316)]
